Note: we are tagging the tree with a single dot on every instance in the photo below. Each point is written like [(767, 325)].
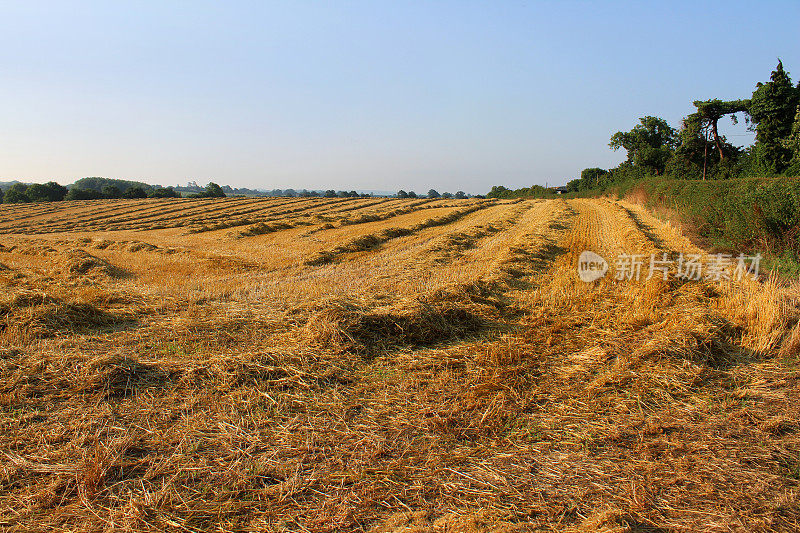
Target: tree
[(591, 178), (213, 190), (402, 194), (574, 185), (433, 194), (446, 195), (111, 191), (772, 111), (16, 194), (793, 145), (55, 191), (412, 194), (48, 192), (649, 144), (165, 192), (461, 195), (708, 114), (330, 193), (76, 193), (497, 191), (135, 192), (692, 155), (97, 184), (36, 192)]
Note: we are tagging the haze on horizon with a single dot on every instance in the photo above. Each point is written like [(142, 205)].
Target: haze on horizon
[(364, 95)]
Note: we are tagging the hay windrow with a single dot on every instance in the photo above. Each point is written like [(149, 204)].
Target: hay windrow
[(81, 263), (119, 377), (265, 228), (372, 241), (442, 316), (41, 316)]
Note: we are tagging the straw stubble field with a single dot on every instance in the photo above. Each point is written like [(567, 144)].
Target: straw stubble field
[(383, 365)]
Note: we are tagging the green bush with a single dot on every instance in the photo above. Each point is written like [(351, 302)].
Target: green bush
[(16, 194), (165, 192), (48, 192), (83, 194), (135, 192), (760, 214)]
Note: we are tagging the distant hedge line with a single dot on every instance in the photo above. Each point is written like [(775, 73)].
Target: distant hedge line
[(761, 214)]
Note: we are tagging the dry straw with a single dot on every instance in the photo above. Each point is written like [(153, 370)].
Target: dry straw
[(443, 370)]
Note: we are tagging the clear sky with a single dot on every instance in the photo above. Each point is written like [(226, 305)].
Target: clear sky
[(363, 95)]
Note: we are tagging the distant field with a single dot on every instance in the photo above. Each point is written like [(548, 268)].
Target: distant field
[(384, 365)]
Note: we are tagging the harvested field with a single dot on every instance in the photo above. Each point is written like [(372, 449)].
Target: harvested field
[(385, 366)]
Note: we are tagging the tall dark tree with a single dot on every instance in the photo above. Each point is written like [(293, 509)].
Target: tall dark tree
[(772, 110), (433, 193), (649, 144)]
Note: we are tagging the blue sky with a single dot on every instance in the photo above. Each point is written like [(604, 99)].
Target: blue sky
[(363, 95)]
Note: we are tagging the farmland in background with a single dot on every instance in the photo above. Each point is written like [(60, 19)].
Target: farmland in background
[(374, 364)]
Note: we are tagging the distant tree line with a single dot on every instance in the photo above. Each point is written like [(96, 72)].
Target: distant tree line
[(97, 189), (498, 191), (697, 151), (460, 195), (107, 188), (330, 193), (36, 192), (303, 193)]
